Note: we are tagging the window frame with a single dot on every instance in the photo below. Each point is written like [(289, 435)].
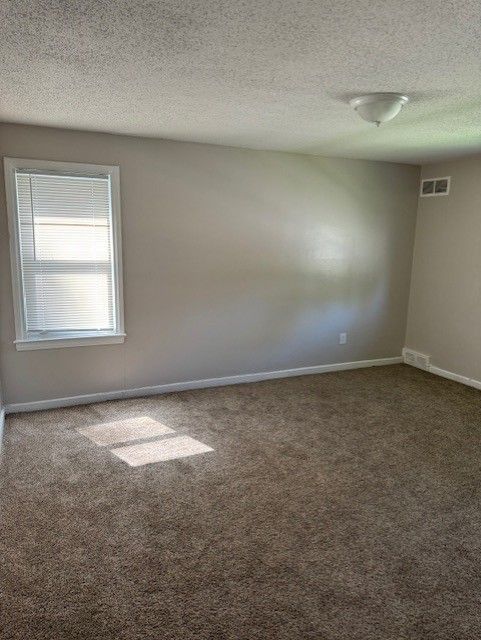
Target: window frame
[(22, 341)]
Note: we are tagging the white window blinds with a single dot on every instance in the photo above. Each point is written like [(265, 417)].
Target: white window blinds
[(66, 254)]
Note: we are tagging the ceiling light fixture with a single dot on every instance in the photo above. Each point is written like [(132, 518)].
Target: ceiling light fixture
[(379, 107)]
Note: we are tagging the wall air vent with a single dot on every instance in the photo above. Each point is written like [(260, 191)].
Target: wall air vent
[(416, 359), (435, 187)]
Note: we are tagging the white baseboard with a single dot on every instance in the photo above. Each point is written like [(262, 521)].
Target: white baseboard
[(470, 382), (2, 419), (195, 384), (423, 361)]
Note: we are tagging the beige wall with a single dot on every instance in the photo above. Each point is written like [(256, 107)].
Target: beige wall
[(445, 303), (2, 408), (235, 261)]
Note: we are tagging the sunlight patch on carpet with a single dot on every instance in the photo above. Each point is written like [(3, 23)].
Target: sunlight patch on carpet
[(124, 430), (137, 455)]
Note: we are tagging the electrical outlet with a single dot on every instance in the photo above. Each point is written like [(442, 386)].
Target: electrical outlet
[(342, 338)]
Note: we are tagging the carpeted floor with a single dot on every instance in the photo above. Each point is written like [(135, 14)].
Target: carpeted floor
[(333, 507)]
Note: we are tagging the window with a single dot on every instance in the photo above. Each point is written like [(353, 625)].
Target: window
[(64, 222)]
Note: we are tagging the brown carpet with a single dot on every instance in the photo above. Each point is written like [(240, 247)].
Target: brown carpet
[(339, 506)]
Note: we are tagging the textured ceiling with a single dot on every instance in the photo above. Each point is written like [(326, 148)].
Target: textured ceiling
[(267, 74)]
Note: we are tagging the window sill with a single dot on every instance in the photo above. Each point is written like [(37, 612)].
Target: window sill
[(73, 341)]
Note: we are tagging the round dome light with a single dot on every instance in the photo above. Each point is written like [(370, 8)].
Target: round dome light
[(379, 107)]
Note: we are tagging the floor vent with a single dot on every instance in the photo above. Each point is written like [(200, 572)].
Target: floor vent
[(416, 359)]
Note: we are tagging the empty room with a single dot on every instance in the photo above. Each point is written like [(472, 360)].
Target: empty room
[(240, 320)]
